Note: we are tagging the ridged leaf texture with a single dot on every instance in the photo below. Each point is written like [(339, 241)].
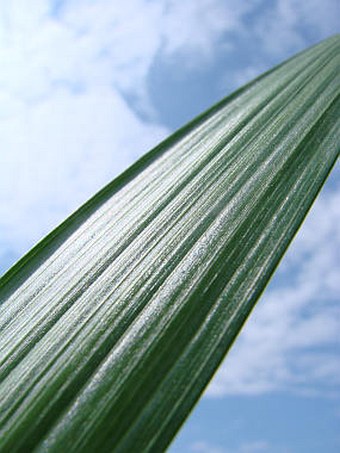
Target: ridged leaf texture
[(112, 326)]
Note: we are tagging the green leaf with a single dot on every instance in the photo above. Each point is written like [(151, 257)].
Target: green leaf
[(112, 326)]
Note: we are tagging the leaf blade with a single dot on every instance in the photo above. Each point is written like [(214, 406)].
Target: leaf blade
[(190, 235)]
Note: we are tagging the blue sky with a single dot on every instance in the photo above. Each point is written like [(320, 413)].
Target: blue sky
[(86, 87)]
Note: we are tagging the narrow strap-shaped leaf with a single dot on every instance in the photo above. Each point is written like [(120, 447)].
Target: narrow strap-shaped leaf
[(112, 326)]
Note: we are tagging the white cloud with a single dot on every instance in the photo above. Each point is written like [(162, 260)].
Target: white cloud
[(321, 17), (277, 30), (71, 145), (100, 43), (195, 28), (89, 45), (65, 128), (291, 341), (286, 25)]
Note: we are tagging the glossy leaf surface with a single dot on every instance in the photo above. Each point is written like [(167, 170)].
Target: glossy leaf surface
[(113, 325)]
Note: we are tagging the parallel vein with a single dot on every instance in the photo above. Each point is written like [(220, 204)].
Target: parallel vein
[(112, 326)]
